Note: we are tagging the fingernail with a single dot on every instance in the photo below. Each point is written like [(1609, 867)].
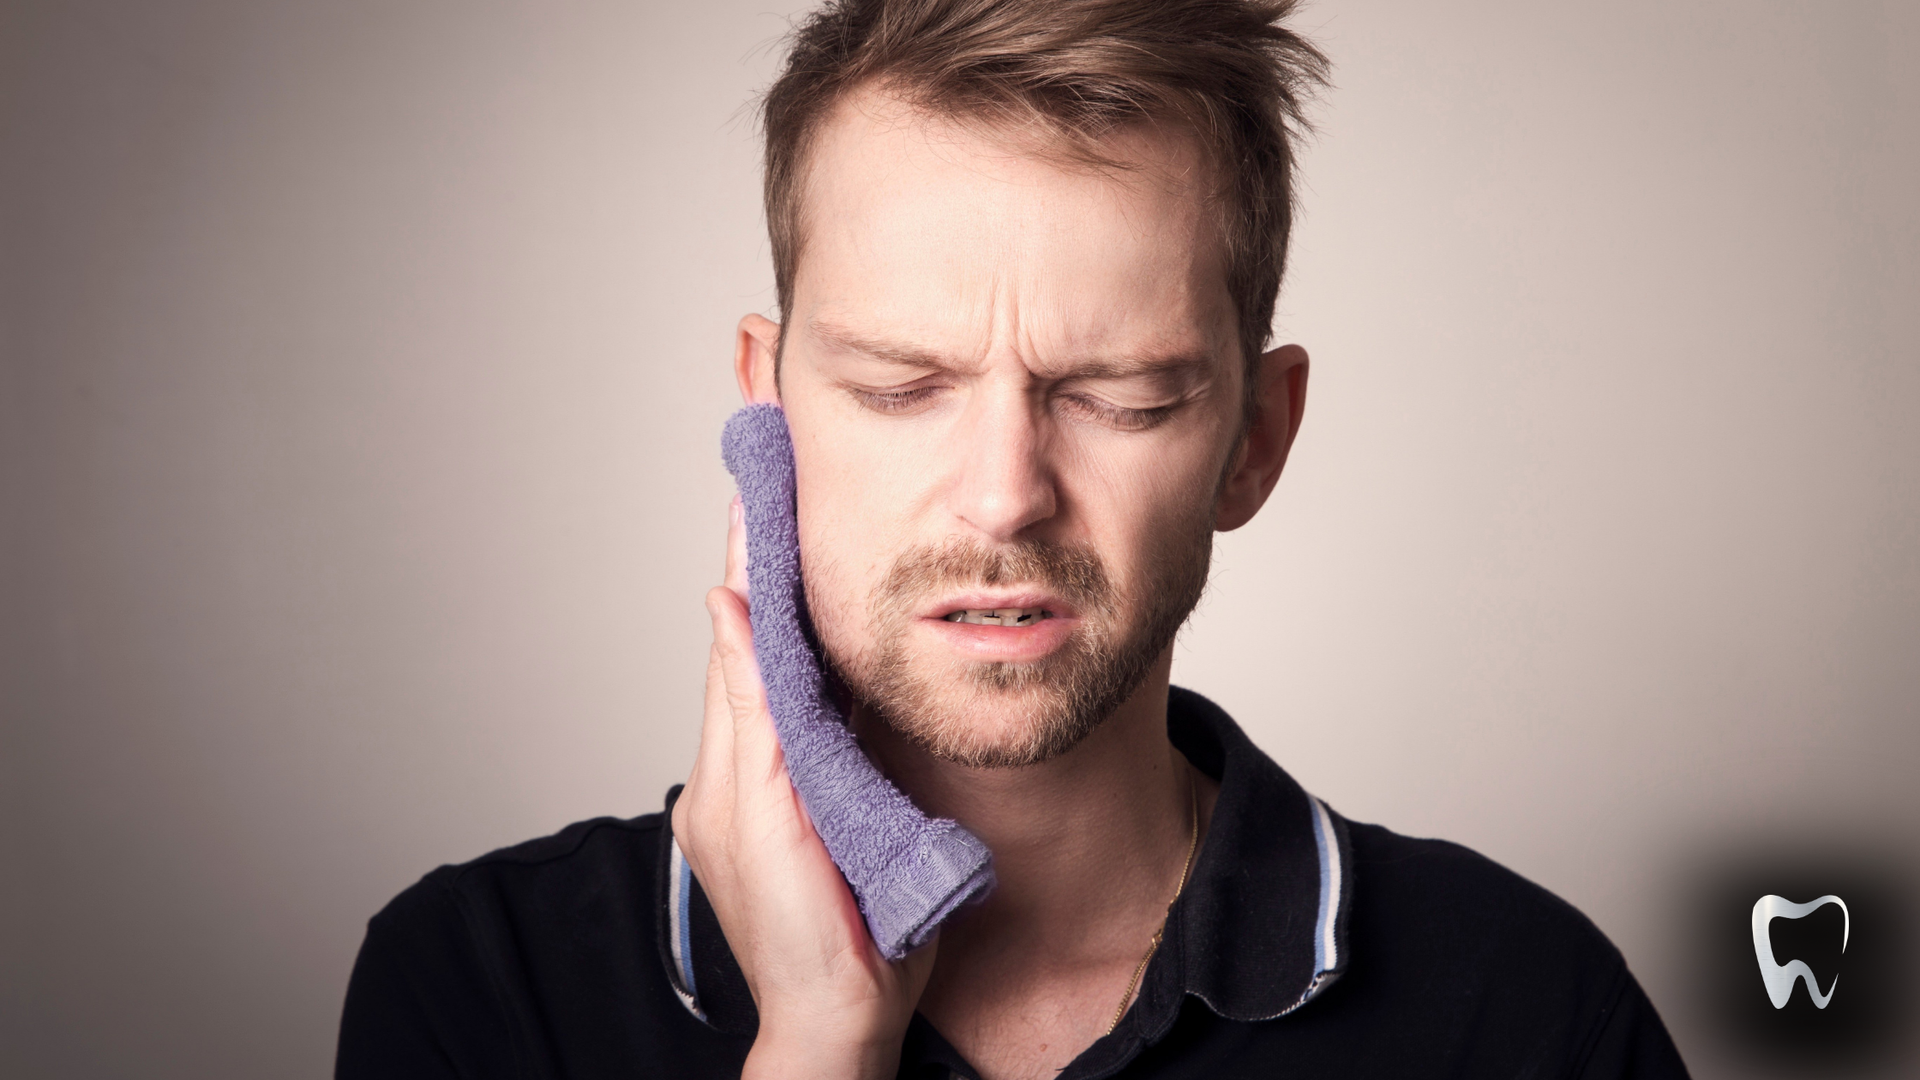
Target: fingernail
[(734, 513)]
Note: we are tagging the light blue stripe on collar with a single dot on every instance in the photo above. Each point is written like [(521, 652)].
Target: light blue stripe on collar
[(1326, 947), (680, 930), (1327, 961)]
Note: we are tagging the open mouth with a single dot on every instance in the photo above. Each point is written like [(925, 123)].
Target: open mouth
[(1006, 616), (1014, 626)]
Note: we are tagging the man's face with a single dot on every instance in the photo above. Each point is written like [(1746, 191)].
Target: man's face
[(1013, 386)]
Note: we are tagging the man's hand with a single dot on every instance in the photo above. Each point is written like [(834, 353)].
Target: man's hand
[(830, 1005)]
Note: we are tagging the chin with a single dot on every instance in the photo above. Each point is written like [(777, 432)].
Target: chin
[(992, 716), (976, 741)]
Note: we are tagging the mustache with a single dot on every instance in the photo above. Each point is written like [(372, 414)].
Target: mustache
[(1072, 570)]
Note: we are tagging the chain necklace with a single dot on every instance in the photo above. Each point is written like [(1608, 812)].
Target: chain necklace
[(1193, 845)]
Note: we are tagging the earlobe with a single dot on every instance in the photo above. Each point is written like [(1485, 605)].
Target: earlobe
[(1279, 402), (756, 349)]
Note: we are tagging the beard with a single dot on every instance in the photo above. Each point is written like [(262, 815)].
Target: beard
[(996, 715)]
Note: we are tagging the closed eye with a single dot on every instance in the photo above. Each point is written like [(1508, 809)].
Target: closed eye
[(1118, 417), (894, 401)]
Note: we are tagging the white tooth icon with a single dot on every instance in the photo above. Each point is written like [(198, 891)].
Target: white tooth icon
[(1781, 977)]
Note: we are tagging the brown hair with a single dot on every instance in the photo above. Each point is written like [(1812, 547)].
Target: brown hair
[(1073, 70)]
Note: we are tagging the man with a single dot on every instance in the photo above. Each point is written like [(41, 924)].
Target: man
[(1027, 253)]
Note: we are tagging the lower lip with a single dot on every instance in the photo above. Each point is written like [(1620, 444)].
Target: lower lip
[(1003, 644)]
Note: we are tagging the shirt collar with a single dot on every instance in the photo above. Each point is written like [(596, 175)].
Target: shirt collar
[(1260, 930)]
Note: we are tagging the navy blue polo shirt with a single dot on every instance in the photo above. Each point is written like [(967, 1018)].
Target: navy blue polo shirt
[(1304, 945)]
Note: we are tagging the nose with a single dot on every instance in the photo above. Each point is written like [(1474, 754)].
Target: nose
[(1004, 484)]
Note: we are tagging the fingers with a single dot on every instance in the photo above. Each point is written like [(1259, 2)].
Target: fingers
[(756, 750), (733, 641), (736, 578), (733, 634), (716, 729), (711, 781), (714, 764)]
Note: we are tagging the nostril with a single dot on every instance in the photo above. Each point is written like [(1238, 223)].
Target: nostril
[(1005, 484), (1002, 505)]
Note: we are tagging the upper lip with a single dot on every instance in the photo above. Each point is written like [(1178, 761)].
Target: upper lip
[(993, 599)]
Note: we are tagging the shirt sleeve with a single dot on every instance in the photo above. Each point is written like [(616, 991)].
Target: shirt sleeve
[(1632, 1043), (419, 1004)]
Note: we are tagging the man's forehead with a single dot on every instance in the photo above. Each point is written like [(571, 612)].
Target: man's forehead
[(919, 229)]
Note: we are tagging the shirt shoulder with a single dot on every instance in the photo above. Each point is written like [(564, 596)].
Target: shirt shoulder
[(534, 960), (581, 867), (1473, 966), (1459, 902)]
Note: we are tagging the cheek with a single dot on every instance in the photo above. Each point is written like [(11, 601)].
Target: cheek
[(860, 481), (1136, 497), (852, 505)]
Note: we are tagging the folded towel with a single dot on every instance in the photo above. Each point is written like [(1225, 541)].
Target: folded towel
[(907, 871)]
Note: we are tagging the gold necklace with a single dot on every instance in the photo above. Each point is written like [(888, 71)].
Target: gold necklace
[(1193, 844)]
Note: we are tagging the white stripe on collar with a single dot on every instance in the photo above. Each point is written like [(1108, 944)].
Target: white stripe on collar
[(680, 930), (1326, 941)]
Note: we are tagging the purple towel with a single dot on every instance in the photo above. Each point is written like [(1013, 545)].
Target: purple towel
[(907, 871)]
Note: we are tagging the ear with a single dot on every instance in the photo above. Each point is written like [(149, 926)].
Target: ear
[(1280, 398), (755, 350)]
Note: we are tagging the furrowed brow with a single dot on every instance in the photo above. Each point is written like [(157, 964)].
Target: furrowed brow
[(1172, 365), (1133, 368), (1175, 365), (890, 352)]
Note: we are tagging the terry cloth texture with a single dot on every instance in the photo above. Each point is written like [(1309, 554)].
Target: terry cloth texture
[(907, 871)]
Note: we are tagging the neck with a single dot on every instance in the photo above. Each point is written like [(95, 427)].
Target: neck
[(1084, 846)]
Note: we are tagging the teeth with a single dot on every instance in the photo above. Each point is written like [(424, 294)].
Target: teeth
[(1011, 616)]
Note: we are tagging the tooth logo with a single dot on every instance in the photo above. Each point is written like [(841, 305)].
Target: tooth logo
[(1781, 977)]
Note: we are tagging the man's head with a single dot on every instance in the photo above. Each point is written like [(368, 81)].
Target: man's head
[(1026, 255)]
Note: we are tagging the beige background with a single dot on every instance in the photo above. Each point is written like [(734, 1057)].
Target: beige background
[(365, 365)]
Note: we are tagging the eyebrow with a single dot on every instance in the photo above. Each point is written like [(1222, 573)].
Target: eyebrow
[(906, 354), (891, 352)]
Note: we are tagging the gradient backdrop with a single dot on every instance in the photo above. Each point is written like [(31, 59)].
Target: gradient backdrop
[(365, 363)]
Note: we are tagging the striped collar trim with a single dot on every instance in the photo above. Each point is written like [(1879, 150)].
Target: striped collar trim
[(1262, 929), (680, 930), (1329, 953)]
